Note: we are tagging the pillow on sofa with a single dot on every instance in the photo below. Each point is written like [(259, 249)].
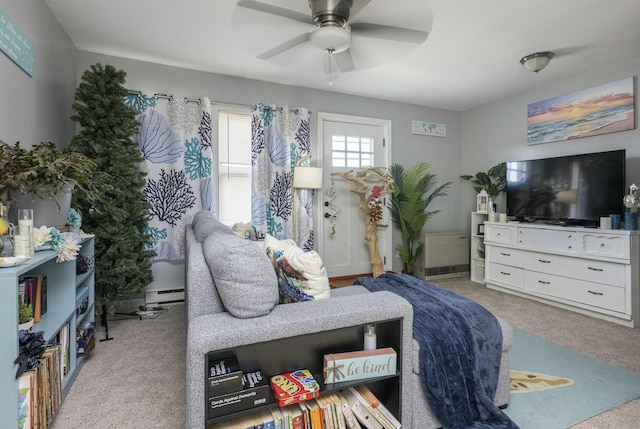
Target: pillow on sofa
[(242, 273), (245, 230), (301, 275), (204, 223)]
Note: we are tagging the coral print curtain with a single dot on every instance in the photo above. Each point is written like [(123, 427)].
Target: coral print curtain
[(279, 140), (175, 140)]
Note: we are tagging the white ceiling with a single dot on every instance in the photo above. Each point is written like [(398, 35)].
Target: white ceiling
[(470, 57)]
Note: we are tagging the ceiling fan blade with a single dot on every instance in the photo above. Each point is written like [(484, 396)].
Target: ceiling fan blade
[(291, 43), (345, 61), (276, 10), (379, 31), (357, 7)]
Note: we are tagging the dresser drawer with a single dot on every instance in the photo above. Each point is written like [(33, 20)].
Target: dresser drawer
[(549, 240), (505, 274), (612, 246), (578, 291), (505, 256), (500, 234), (608, 273)]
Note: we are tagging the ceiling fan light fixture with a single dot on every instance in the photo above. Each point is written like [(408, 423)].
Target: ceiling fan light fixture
[(536, 61), (336, 39)]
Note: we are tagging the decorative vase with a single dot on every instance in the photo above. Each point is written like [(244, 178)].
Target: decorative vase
[(45, 210), (26, 326)]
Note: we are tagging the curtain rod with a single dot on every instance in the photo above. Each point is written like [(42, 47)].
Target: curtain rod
[(197, 100)]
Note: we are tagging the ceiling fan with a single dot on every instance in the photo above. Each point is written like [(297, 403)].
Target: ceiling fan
[(332, 30)]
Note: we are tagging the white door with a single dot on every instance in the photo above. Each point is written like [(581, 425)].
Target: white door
[(349, 143)]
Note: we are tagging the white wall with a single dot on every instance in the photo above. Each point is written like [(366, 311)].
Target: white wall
[(37, 109), (497, 131), (442, 153)]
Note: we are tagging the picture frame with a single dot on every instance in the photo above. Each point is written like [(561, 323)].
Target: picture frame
[(424, 128), (603, 109)]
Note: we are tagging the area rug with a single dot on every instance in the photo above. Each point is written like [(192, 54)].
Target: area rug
[(586, 387)]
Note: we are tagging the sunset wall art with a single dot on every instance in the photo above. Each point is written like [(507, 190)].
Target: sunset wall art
[(603, 109)]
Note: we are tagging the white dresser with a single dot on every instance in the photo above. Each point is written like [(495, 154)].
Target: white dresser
[(591, 271)]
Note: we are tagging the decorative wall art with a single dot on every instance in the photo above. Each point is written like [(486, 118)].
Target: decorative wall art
[(15, 44), (428, 128), (603, 109)]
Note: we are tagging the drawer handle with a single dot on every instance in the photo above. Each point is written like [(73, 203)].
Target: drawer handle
[(595, 269), (506, 274), (595, 293), (543, 261), (602, 245), (505, 254), (544, 283)]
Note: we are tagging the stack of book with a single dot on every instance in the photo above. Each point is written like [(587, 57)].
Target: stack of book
[(40, 391), (352, 408)]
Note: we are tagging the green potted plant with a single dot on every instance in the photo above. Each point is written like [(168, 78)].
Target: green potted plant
[(494, 181), (47, 174), (414, 190), (25, 320)]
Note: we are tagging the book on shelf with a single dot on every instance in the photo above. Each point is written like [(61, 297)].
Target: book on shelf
[(27, 399), (278, 419), (349, 418), (386, 424), (363, 415), (337, 410), (315, 412), (267, 419), (378, 406), (297, 420)]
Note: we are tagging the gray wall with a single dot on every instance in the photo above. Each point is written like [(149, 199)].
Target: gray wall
[(442, 153), (497, 131), (36, 109)]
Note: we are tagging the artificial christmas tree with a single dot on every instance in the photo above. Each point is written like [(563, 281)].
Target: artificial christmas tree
[(119, 217)]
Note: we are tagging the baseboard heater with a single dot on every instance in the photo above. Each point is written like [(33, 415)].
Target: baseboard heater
[(157, 297), (446, 254)]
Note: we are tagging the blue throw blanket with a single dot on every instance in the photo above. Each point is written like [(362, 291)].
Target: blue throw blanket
[(460, 349)]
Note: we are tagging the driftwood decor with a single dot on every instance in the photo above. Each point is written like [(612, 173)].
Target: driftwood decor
[(370, 183)]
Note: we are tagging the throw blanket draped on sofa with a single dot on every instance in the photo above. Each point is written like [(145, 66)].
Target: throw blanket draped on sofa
[(460, 347)]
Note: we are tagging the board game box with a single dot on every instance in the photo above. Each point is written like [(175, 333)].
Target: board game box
[(292, 387)]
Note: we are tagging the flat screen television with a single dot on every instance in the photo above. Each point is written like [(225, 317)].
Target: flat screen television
[(576, 189)]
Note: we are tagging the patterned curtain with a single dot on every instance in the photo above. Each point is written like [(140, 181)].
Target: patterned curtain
[(175, 140), (279, 140)]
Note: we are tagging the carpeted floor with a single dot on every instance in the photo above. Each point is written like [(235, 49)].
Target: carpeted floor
[(137, 379)]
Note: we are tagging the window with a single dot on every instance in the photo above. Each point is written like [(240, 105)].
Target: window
[(234, 167), (351, 151)]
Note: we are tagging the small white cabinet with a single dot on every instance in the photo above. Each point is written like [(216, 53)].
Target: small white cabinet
[(592, 271)]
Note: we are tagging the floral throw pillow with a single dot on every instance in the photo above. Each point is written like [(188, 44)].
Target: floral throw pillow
[(301, 275)]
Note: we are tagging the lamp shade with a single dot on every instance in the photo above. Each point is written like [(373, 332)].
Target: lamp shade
[(336, 39), (536, 61), (307, 177)]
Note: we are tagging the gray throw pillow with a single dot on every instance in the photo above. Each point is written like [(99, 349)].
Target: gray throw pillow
[(204, 223), (243, 274)]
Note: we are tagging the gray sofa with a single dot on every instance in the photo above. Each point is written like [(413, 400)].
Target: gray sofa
[(219, 317)]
